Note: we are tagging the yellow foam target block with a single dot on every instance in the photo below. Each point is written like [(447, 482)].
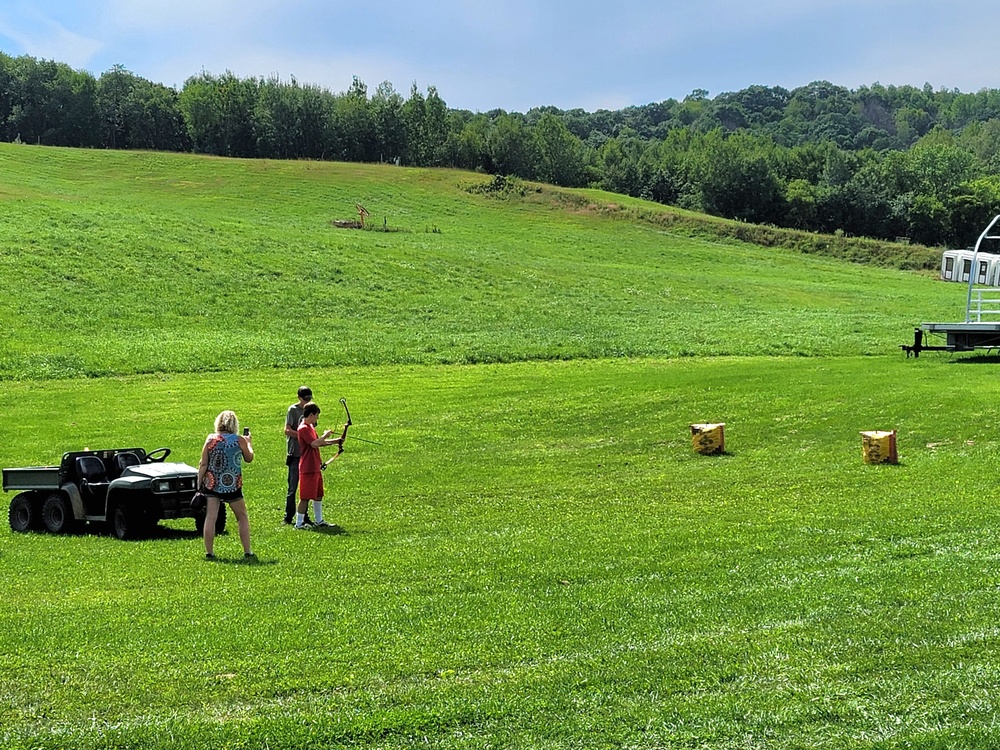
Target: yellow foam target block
[(708, 438), (878, 447)]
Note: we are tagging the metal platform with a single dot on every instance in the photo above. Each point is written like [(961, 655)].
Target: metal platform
[(981, 327), (959, 337)]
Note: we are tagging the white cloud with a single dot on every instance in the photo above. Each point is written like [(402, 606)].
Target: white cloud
[(42, 37)]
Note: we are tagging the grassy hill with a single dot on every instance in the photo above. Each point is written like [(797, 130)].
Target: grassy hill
[(533, 556), (124, 263)]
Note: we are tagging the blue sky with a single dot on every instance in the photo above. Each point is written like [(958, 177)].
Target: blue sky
[(518, 54)]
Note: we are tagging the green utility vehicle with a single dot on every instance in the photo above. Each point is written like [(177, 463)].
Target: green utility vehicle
[(126, 488)]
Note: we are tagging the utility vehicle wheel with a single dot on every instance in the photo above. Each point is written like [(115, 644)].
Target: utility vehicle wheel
[(57, 514), (25, 513), (220, 521), (126, 523)]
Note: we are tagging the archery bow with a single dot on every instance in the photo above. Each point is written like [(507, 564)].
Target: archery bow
[(340, 448), (343, 437), (355, 437), (349, 423)]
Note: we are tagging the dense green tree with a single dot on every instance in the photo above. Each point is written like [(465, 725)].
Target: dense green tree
[(72, 104), (971, 206), (218, 112), (618, 163), (801, 199), (927, 219), (28, 101), (414, 116), (936, 169), (275, 120), (694, 106), (6, 95), (758, 105), (316, 108), (48, 103), (982, 140), (425, 119), (114, 90), (135, 113), (159, 122), (467, 146), (666, 169), (291, 121), (738, 178), (353, 130), (436, 128), (390, 127), (511, 148), (560, 153)]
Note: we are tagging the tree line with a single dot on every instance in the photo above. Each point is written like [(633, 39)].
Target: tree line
[(880, 161)]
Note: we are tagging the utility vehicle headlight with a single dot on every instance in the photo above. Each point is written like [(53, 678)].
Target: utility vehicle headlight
[(162, 485)]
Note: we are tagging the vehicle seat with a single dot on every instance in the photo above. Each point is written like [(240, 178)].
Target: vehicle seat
[(124, 460), (93, 478)]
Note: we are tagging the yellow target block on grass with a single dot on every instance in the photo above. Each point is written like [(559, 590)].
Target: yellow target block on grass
[(878, 447), (708, 438)]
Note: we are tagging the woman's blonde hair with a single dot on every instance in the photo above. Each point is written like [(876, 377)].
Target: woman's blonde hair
[(227, 422)]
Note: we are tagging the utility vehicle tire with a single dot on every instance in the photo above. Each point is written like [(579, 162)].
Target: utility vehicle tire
[(57, 514), (220, 521), (25, 513), (127, 523)]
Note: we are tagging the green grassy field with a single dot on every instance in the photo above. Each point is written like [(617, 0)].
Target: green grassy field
[(534, 556), (130, 263)]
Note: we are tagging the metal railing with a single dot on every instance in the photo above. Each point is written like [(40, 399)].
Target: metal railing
[(969, 309), (984, 303)]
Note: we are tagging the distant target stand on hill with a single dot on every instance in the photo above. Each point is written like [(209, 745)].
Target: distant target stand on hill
[(359, 224)]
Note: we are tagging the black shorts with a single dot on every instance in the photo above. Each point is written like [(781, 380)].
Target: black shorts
[(225, 497)]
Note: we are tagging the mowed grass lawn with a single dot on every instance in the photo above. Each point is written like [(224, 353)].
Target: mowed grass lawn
[(121, 263), (534, 556)]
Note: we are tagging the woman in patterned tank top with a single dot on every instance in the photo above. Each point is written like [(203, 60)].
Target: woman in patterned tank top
[(220, 477)]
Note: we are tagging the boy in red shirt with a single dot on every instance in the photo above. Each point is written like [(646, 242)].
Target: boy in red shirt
[(310, 465)]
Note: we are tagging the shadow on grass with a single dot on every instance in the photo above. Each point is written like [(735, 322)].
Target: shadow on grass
[(95, 528), (165, 532), (249, 562), (332, 530), (978, 359)]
